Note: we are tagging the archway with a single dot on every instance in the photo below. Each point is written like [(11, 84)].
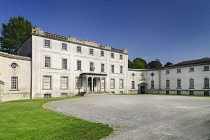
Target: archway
[(142, 88)]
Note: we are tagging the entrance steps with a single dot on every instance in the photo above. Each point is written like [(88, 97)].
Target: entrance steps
[(93, 93)]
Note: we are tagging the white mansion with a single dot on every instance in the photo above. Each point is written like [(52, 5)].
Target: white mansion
[(49, 65)]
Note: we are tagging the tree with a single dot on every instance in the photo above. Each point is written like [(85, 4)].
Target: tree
[(154, 64), (137, 63), (14, 33), (168, 64)]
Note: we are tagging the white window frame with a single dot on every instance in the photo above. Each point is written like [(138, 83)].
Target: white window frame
[(91, 52), (112, 68), (179, 83), (112, 83), (102, 67), (79, 49), (102, 53), (64, 63), (206, 68), (192, 69), (121, 69), (47, 43), (47, 62), (79, 65), (191, 83), (47, 85), (64, 46), (206, 82), (64, 82), (121, 84), (14, 83), (179, 70), (78, 83)]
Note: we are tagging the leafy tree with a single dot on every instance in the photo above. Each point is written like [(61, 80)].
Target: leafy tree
[(154, 64), (168, 64), (130, 64), (14, 33), (137, 63)]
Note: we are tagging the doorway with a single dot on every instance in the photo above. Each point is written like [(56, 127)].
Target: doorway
[(142, 89)]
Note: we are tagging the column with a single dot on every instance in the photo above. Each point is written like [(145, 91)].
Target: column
[(92, 84), (86, 84)]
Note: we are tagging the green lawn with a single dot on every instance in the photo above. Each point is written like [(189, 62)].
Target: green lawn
[(27, 119)]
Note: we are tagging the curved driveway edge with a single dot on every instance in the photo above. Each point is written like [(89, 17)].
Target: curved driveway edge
[(146, 117)]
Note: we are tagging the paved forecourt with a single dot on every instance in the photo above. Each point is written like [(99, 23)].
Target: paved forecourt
[(145, 117)]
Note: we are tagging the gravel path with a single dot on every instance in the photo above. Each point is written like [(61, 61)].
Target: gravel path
[(143, 117)]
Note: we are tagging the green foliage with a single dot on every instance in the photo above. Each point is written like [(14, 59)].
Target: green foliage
[(154, 64), (14, 33), (168, 64), (28, 120), (137, 63)]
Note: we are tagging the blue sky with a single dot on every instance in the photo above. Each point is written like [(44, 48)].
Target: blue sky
[(169, 30)]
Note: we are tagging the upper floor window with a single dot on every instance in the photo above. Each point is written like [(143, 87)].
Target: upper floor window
[(191, 83), (112, 83), (64, 46), (206, 68), (112, 68), (102, 53), (47, 43), (112, 55), (179, 71), (64, 82), (91, 52), (78, 65), (47, 62), (92, 68), (121, 69), (152, 84), (64, 63), (191, 69), (206, 82), (79, 50), (167, 71), (178, 83), (121, 57), (133, 85), (14, 83), (47, 82), (102, 67), (168, 84)]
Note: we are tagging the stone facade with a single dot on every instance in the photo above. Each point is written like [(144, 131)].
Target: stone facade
[(49, 65)]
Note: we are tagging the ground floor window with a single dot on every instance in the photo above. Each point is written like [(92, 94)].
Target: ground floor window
[(178, 92), (206, 93), (121, 92), (78, 82), (47, 82), (102, 84), (64, 95), (64, 82), (14, 83), (133, 84), (47, 95), (121, 83), (167, 91), (112, 83), (191, 93)]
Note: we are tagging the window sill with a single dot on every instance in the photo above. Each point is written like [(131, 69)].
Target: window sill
[(206, 70), (206, 88), (167, 88), (178, 88), (14, 90), (191, 88), (191, 71), (64, 50)]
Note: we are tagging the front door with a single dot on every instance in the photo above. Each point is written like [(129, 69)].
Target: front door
[(142, 89)]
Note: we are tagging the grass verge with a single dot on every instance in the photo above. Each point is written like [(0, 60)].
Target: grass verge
[(27, 119)]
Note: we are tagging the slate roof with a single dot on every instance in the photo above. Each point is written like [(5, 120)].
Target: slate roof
[(193, 62)]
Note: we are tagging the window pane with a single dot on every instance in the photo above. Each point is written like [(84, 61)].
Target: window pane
[(47, 82)]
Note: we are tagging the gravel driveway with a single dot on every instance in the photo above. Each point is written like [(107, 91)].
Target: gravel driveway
[(143, 117)]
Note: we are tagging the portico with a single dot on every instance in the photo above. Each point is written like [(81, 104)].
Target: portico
[(94, 82)]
